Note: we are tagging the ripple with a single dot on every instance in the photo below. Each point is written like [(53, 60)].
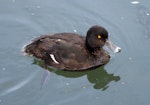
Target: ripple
[(17, 86)]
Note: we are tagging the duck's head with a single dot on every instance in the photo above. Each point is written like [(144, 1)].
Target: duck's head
[(97, 37)]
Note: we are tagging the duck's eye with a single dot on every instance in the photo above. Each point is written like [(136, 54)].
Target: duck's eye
[(99, 37)]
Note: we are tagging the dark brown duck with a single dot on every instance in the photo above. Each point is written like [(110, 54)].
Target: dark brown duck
[(70, 51)]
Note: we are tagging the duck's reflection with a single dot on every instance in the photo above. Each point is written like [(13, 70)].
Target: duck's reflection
[(99, 77)]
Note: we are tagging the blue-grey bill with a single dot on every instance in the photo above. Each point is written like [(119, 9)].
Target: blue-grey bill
[(112, 46)]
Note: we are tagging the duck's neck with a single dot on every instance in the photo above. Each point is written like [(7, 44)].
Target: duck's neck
[(93, 51)]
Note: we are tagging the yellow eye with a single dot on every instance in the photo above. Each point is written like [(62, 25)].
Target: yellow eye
[(99, 36)]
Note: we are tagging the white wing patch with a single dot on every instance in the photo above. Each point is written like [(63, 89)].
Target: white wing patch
[(53, 58)]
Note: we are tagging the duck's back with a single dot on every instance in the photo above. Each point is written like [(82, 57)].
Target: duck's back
[(63, 51)]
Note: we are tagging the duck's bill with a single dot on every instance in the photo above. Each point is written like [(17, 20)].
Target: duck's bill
[(112, 46)]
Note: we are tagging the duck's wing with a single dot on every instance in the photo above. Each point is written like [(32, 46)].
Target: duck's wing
[(63, 51)]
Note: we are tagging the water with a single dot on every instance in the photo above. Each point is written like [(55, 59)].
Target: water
[(123, 81)]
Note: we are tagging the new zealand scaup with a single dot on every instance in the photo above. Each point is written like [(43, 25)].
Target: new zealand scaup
[(70, 51)]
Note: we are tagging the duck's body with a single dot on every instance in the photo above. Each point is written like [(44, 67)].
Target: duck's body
[(69, 51)]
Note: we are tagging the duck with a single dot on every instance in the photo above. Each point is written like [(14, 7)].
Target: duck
[(71, 51)]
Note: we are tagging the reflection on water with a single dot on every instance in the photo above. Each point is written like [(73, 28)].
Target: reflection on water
[(99, 77), (144, 19)]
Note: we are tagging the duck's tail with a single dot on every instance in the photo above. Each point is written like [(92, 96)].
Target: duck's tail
[(30, 49), (33, 49)]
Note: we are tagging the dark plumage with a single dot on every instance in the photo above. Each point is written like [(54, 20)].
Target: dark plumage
[(70, 51)]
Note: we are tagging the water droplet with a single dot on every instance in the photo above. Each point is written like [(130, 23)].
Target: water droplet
[(83, 87), (74, 30), (67, 84), (122, 18), (146, 36), (32, 14), (38, 6), (130, 58), (122, 83), (3, 68), (13, 1), (147, 14), (135, 2)]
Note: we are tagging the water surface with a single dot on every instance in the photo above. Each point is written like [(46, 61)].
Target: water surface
[(122, 81)]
